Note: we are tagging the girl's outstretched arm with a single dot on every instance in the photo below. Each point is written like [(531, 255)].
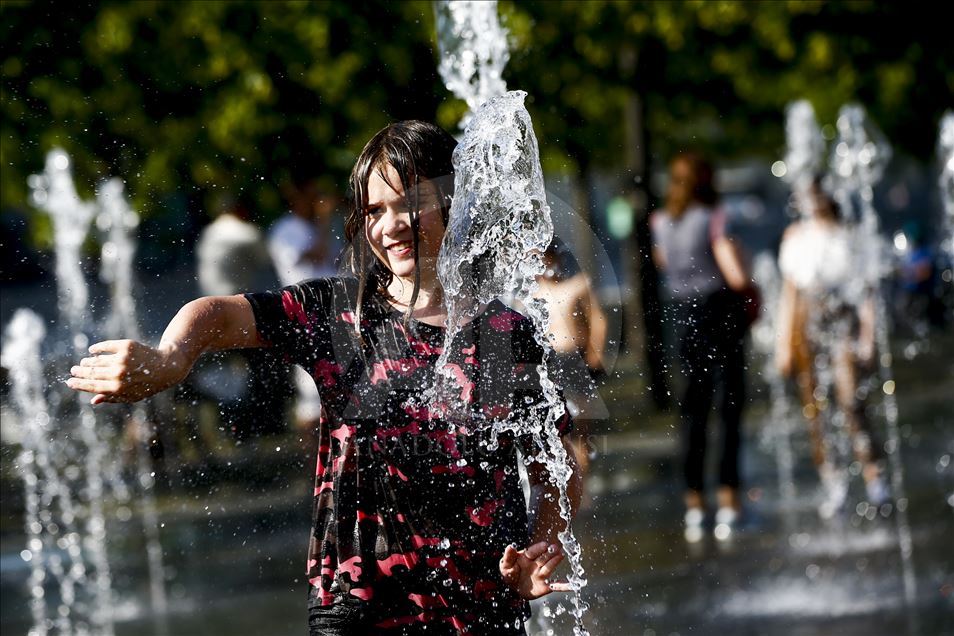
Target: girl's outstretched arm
[(129, 371)]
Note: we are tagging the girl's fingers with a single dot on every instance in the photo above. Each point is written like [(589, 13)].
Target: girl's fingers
[(99, 398), (103, 360), (92, 386), (548, 554), (95, 373), (536, 550), (509, 558), (109, 346), (547, 568), (561, 586)]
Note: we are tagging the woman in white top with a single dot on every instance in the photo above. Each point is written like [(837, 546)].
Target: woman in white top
[(705, 276), (826, 335)]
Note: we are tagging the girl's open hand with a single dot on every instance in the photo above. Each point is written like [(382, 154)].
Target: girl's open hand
[(127, 371), (528, 571)]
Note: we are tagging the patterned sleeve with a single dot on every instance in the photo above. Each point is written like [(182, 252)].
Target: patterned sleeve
[(294, 320)]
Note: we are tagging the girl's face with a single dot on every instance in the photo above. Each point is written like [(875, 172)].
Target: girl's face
[(681, 182), (387, 225), (821, 205)]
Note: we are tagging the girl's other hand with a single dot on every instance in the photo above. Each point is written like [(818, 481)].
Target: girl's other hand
[(528, 571), (127, 371)]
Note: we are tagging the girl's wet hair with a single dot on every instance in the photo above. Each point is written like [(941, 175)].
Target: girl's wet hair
[(418, 151)]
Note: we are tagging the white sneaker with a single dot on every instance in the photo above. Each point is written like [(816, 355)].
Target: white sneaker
[(877, 491), (693, 520), (726, 521)]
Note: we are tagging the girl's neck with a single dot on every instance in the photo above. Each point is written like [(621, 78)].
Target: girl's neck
[(824, 221), (429, 296)]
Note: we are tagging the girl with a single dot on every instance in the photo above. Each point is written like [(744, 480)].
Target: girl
[(416, 520), (824, 331), (705, 275)]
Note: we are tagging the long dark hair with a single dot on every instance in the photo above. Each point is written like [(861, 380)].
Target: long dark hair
[(418, 151)]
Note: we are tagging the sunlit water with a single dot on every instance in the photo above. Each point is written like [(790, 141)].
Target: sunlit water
[(945, 149), (804, 156), (499, 226), (805, 150), (118, 222), (79, 451), (473, 50), (70, 465)]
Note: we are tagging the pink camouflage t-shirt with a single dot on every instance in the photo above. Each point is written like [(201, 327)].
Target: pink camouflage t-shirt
[(411, 515)]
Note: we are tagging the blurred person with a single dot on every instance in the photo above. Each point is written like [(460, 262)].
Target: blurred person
[(919, 304), (302, 241), (303, 247), (402, 541), (231, 252), (824, 329), (705, 276), (578, 335), (233, 259)]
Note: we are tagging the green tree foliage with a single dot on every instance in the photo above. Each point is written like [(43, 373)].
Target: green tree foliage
[(195, 96), (717, 74), (198, 96)]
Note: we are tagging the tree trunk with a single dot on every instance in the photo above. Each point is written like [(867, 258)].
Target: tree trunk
[(643, 300)]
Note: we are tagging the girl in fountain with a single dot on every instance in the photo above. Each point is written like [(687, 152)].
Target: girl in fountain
[(705, 275), (826, 334), (416, 520)]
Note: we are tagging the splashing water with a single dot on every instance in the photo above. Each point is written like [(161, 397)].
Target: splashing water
[(499, 220), (118, 221), (80, 457), (861, 152), (499, 226), (945, 151), (857, 163), (859, 159), (21, 354), (498, 229), (69, 469), (53, 192), (62, 550), (804, 156), (778, 435), (473, 50)]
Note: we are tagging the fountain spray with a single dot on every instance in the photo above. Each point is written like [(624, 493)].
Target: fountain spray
[(499, 226), (945, 152), (803, 160), (119, 222), (857, 163), (81, 458)]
